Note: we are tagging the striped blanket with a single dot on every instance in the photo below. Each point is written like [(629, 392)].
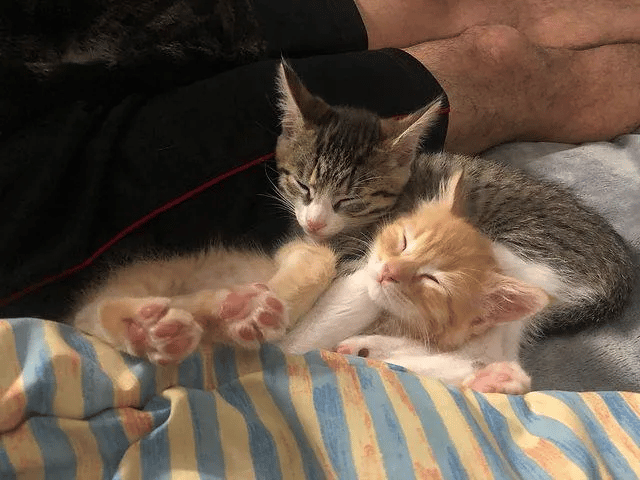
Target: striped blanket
[(73, 408)]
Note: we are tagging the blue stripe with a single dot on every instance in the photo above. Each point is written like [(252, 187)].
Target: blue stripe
[(155, 454), (391, 439), (190, 373), (613, 459), (263, 449), (145, 372), (40, 388), (206, 434), (6, 468), (111, 439), (435, 431), (624, 415), (498, 425), (498, 468), (57, 453), (327, 403), (97, 392), (276, 379), (558, 434)]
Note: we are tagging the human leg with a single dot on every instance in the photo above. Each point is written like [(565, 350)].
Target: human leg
[(501, 88)]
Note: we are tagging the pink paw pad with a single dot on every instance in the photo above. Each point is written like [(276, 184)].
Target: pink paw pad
[(500, 377), (254, 315)]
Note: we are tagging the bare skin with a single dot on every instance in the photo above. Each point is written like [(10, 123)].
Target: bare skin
[(503, 88), (564, 71)]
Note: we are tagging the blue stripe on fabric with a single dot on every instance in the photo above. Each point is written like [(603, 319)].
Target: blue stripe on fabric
[(58, 456), (613, 459), (327, 403), (206, 434), (145, 372), (266, 463), (111, 439), (623, 414), (557, 433), (190, 372), (519, 460), (495, 462), (435, 430), (155, 451), (40, 388), (97, 388), (276, 379), (6, 468), (97, 392), (391, 439)]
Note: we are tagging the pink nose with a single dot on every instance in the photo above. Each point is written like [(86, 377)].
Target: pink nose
[(389, 274), (315, 225)]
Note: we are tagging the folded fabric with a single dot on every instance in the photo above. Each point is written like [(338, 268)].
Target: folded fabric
[(72, 407)]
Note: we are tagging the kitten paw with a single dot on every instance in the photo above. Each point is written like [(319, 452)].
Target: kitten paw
[(362, 346), (165, 335), (499, 377), (253, 315)]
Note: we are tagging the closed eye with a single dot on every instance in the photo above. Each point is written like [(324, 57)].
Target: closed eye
[(428, 276), (342, 202), (302, 186)]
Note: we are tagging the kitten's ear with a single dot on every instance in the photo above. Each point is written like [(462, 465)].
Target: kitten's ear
[(507, 299), (403, 136), (452, 193), (297, 105)]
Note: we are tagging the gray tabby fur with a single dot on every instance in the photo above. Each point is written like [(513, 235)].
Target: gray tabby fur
[(540, 222)]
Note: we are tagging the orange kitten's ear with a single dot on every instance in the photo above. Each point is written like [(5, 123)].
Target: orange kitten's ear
[(507, 299), (297, 105), (403, 136)]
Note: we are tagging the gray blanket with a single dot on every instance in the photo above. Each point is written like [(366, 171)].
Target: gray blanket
[(606, 175)]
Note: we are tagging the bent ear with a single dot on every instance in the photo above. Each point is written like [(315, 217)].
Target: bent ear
[(403, 136), (297, 105), (507, 299)]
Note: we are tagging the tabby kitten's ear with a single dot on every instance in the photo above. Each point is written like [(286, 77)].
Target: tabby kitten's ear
[(298, 107), (452, 193), (506, 299), (402, 137)]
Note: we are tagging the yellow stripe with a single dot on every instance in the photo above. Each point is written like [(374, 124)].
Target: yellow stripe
[(251, 377), (618, 436), (462, 436), (12, 397), (126, 388), (130, 464), (136, 423), (365, 450), (301, 392), (238, 462), (210, 381), (548, 456), (184, 464), (548, 406), (85, 448), (66, 363), (425, 464), (24, 453)]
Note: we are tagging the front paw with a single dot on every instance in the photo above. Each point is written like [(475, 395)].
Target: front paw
[(500, 377), (366, 346), (252, 315), (165, 335)]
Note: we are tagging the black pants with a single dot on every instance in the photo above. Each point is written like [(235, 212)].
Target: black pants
[(156, 152)]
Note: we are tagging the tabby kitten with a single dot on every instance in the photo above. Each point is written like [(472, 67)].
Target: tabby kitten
[(344, 169)]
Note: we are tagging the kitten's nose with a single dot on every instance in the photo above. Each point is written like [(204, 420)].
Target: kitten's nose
[(389, 274), (315, 225)]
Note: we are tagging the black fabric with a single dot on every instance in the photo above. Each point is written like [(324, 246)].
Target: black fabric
[(86, 166)]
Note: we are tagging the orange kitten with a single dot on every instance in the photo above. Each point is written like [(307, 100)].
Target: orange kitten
[(433, 292), (163, 309)]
